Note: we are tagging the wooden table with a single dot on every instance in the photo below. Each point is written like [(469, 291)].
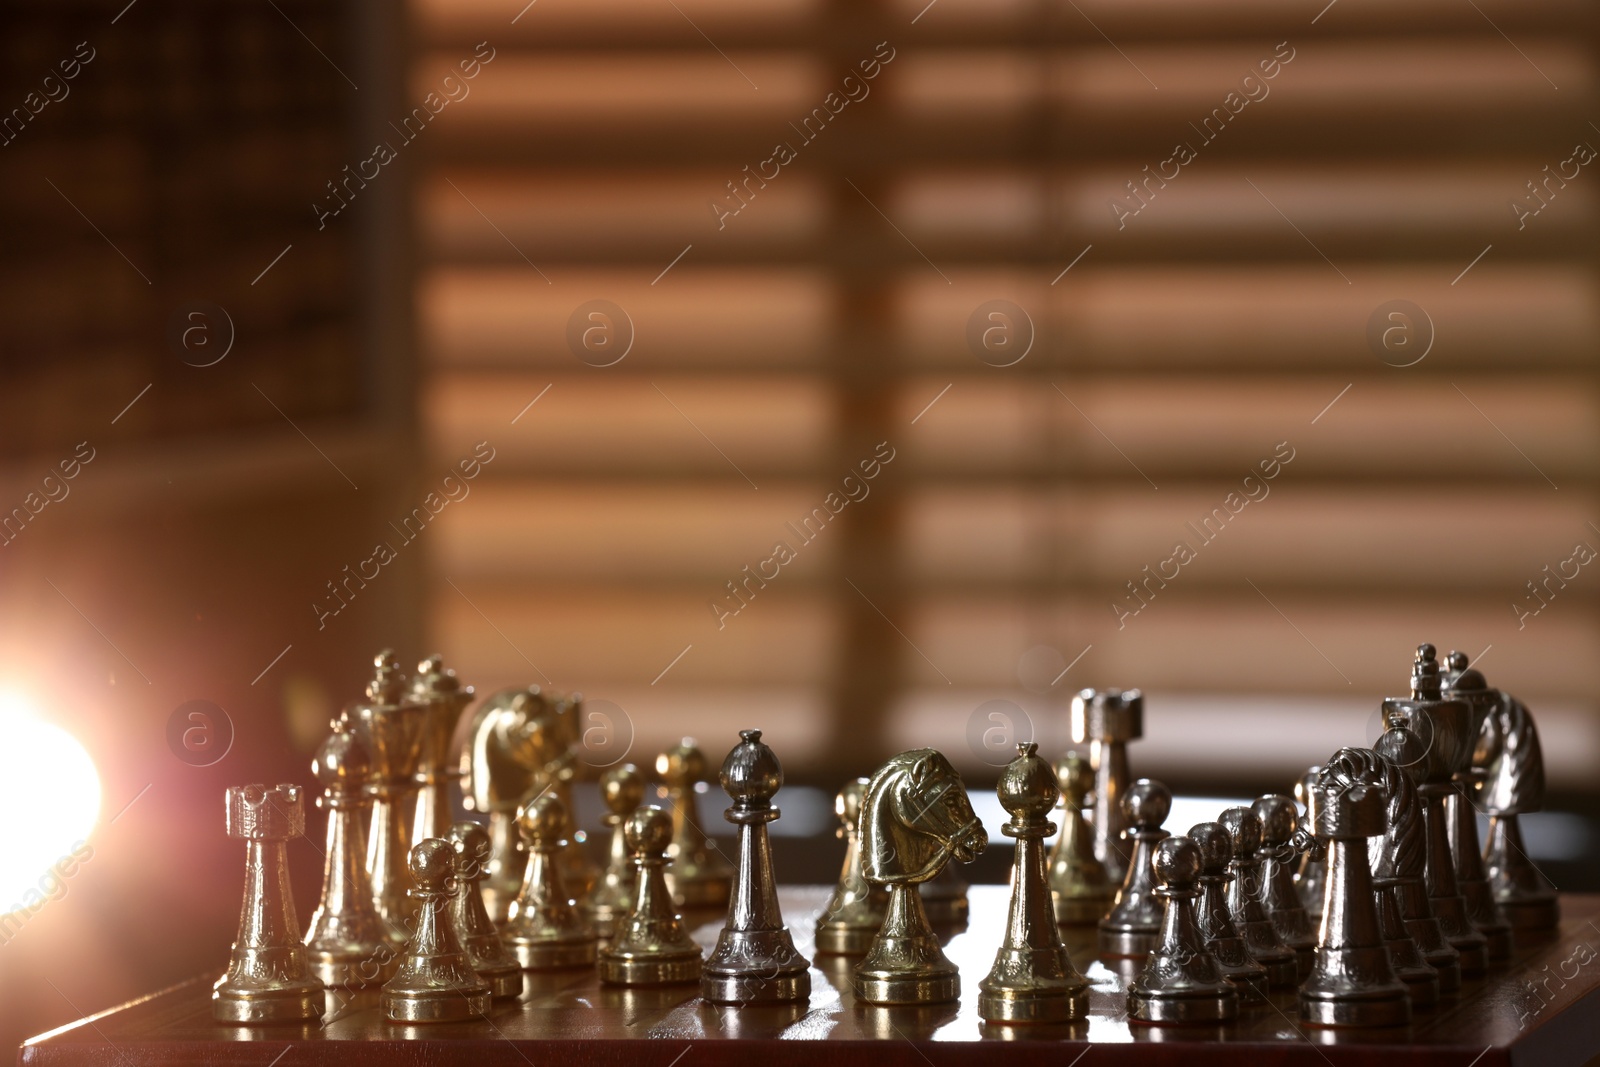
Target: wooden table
[(1543, 1010)]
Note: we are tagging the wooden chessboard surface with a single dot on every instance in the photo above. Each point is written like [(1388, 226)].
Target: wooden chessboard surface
[(1540, 1010)]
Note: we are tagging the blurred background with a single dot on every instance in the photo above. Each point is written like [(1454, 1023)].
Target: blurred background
[(979, 308)]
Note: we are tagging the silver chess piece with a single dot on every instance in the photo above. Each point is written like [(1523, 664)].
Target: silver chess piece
[(1448, 731), (1243, 827), (1513, 786), (1130, 929), (1180, 982), (1033, 979), (856, 910), (1313, 870), (1106, 720), (1351, 983), (754, 960), (1466, 683), (1222, 938), (1282, 841), (1079, 883)]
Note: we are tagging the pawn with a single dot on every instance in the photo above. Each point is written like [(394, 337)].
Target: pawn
[(1405, 958), (696, 874), (435, 982), (857, 908), (1131, 928), (270, 977), (1280, 833), (1243, 827), (622, 790), (350, 944), (1181, 982), (755, 960), (1350, 982), (487, 953), (1313, 865), (650, 946), (1033, 979), (1216, 921), (545, 930), (1079, 884)]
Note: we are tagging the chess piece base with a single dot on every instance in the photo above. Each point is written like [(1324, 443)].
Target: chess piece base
[(1033, 1006), (1127, 944), (623, 971), (504, 984), (1530, 915), (754, 989), (444, 1006), (1422, 984), (554, 955), (1177, 1010), (844, 940), (1081, 911), (254, 1008), (1391, 1009), (907, 989)]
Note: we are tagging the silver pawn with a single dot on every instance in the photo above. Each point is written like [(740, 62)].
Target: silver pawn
[(1216, 921), (1131, 928), (1180, 982), (1243, 827)]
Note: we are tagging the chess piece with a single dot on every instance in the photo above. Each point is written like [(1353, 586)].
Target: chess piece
[(944, 898), (1281, 841), (545, 929), (854, 913), (1513, 786), (389, 726), (650, 946), (508, 743), (1081, 888), (435, 982), (1313, 870), (1130, 929), (1180, 982), (481, 941), (1350, 983), (269, 977), (1243, 827), (1466, 684), (444, 697), (1401, 866), (1221, 937), (622, 790), (348, 942), (915, 818), (564, 714), (1107, 719), (1447, 730), (1033, 979), (697, 874), (754, 960)]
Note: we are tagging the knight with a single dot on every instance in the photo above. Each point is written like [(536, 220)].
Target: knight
[(507, 746)]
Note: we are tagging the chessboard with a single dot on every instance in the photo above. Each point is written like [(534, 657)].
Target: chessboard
[(1539, 1009)]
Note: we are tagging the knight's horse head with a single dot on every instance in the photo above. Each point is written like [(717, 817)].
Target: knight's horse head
[(914, 818)]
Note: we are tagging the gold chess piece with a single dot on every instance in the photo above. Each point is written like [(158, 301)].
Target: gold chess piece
[(1130, 929), (546, 931), (435, 982), (1079, 884), (1180, 982), (1106, 720), (650, 946), (622, 790), (754, 961), (1221, 937), (269, 977), (697, 874), (916, 817), (565, 715), (485, 951), (854, 913), (389, 725), (445, 698), (506, 747), (1033, 979), (349, 943)]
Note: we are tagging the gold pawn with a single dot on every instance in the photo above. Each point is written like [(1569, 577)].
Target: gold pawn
[(651, 946), (856, 910), (1080, 886), (487, 953), (546, 931), (622, 789), (697, 875), (435, 982)]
